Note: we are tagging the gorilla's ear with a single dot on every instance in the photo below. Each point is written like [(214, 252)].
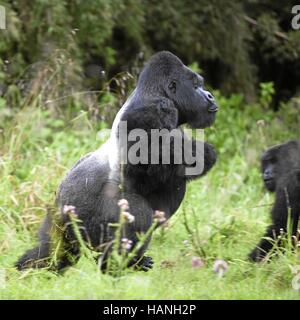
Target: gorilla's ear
[(172, 86)]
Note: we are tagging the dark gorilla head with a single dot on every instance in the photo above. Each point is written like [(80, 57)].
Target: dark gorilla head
[(279, 162), (165, 75)]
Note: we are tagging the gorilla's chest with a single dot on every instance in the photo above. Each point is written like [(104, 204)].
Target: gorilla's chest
[(168, 197)]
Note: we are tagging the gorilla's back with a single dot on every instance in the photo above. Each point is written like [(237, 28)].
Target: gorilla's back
[(82, 185)]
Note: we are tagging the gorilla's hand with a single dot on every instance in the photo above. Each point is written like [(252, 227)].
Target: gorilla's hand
[(145, 264), (210, 157), (203, 155), (256, 255)]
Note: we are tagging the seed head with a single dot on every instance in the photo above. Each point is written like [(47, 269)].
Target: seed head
[(159, 216), (68, 209), (126, 244), (128, 216), (123, 204)]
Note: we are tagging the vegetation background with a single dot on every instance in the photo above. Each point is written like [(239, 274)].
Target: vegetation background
[(66, 67)]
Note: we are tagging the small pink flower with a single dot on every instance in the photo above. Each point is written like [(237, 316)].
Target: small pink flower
[(126, 244), (220, 267), (128, 217), (197, 262), (159, 216), (123, 204), (68, 209)]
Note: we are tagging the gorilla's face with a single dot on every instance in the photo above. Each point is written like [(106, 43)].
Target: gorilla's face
[(269, 173), (278, 162), (196, 106), (166, 75)]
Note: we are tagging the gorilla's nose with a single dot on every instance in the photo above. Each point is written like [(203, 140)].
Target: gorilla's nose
[(267, 175), (211, 100), (212, 107), (209, 96)]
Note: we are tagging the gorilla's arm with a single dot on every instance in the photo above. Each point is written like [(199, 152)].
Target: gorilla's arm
[(161, 114), (279, 219), (148, 114), (207, 159), (287, 201)]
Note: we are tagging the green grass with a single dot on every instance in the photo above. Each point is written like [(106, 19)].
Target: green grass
[(228, 208)]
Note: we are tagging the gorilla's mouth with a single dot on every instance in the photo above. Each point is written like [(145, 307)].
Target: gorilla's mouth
[(269, 183), (212, 115), (213, 108)]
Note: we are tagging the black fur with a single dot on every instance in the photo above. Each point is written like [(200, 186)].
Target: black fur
[(167, 95), (281, 174)]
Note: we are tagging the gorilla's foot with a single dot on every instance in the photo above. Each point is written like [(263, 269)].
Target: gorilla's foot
[(145, 263), (34, 258), (257, 255)]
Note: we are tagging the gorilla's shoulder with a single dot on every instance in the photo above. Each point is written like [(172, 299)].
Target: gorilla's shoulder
[(151, 112)]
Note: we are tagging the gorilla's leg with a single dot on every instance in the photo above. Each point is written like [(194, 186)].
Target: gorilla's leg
[(38, 257), (131, 233), (139, 262), (34, 258), (143, 214), (68, 259)]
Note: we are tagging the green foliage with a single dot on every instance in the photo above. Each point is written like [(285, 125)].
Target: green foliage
[(195, 67), (237, 44), (266, 94)]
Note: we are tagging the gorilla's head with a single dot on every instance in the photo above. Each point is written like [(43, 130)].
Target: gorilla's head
[(165, 75), (279, 162)]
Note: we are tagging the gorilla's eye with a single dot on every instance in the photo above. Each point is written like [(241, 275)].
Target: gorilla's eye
[(271, 160), (197, 83), (172, 86)]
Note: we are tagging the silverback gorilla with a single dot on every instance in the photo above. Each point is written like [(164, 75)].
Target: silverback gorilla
[(281, 174), (168, 94)]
